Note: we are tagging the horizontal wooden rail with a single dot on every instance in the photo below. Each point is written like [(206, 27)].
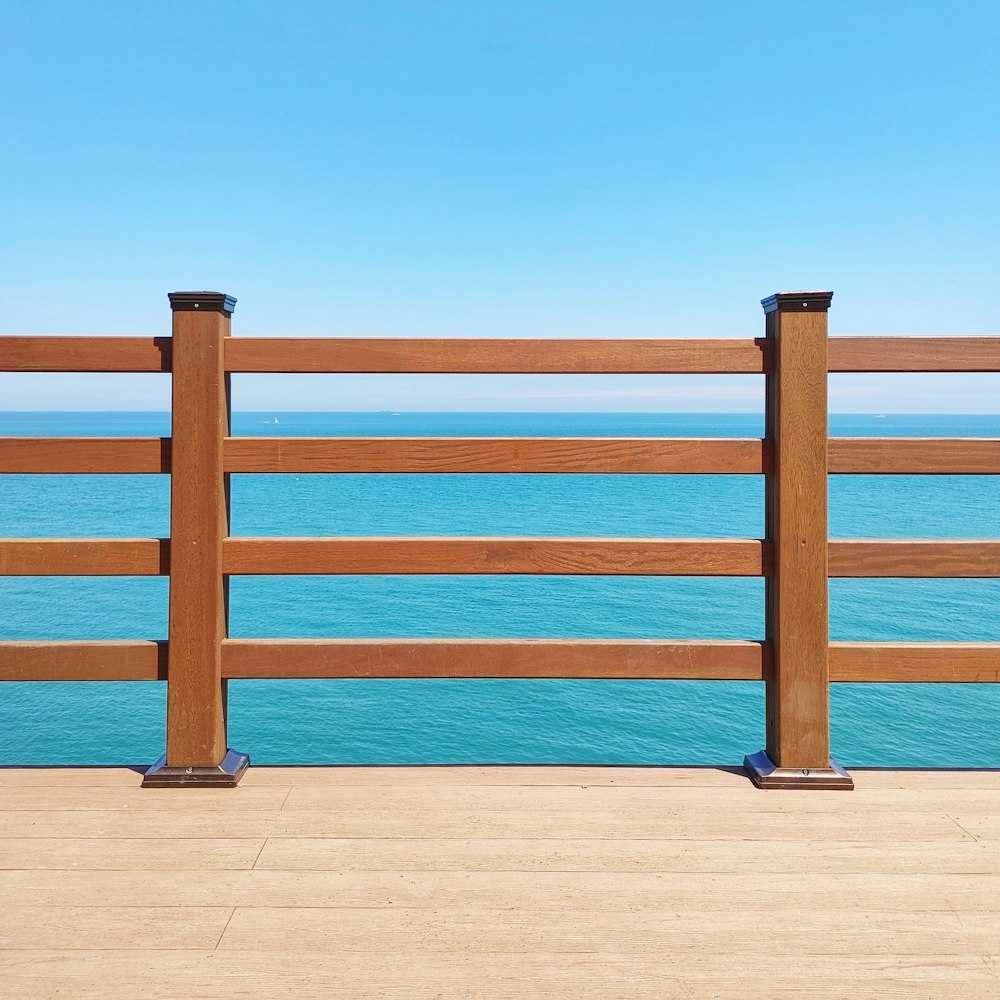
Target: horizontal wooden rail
[(84, 455), (501, 455), (915, 662), (694, 456), (917, 456), (914, 354), (497, 356), (910, 558), (88, 660), (84, 556), (527, 556), (524, 556), (514, 356), (633, 659), (85, 354)]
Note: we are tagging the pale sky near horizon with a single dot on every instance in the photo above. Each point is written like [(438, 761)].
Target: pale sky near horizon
[(636, 168)]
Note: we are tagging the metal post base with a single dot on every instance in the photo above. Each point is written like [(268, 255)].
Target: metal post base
[(765, 774), (224, 775)]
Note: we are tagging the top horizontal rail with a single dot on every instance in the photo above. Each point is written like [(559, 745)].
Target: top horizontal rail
[(509, 356), (914, 354), (86, 354), (308, 355)]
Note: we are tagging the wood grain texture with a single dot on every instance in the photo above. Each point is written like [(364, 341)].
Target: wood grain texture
[(500, 455), (914, 354), (84, 455), (84, 556), (406, 974), (568, 887), (796, 598), (199, 521), (85, 354), (543, 556), (915, 662), (590, 658), (916, 456), (511, 356), (904, 558), (83, 660)]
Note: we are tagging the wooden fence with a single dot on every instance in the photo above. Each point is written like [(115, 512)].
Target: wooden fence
[(796, 661)]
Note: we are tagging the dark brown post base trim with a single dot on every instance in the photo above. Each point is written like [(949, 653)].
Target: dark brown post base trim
[(224, 775), (764, 774)]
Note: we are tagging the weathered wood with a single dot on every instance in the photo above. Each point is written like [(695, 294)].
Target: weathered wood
[(563, 884), (119, 926), (199, 521), (87, 660), (914, 354), (513, 356), (84, 556), (904, 557), (915, 662), (85, 354), (502, 455), (84, 455), (569, 556), (917, 456), (217, 884), (798, 720), (593, 658), (589, 974), (101, 854)]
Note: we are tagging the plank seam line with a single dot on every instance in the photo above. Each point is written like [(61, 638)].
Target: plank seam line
[(962, 828), (226, 928), (253, 867)]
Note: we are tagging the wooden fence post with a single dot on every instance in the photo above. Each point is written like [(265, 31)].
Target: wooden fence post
[(797, 591), (197, 752)]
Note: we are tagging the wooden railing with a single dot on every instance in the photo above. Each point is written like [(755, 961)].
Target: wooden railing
[(796, 661)]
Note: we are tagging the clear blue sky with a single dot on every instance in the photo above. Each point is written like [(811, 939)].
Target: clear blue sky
[(499, 168)]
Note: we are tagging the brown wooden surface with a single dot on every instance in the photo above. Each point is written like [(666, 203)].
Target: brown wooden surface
[(504, 455), (196, 730), (395, 354), (913, 662), (577, 658), (83, 660), (914, 354), (571, 556), (566, 883), (84, 455), (856, 662), (797, 607), (918, 456), (84, 556), (914, 558), (85, 354)]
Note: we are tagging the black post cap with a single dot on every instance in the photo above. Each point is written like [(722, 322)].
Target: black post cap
[(797, 302), (202, 302)]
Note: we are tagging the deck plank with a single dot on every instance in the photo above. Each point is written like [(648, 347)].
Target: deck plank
[(494, 882)]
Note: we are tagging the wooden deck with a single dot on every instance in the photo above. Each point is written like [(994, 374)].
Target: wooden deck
[(497, 883)]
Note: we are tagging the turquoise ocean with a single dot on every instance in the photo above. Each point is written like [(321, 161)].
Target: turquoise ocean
[(462, 721)]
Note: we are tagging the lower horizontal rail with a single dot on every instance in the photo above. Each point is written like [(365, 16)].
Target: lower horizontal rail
[(908, 558), (84, 556), (97, 660), (526, 556), (633, 456), (621, 659), (899, 558), (635, 659), (915, 662)]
